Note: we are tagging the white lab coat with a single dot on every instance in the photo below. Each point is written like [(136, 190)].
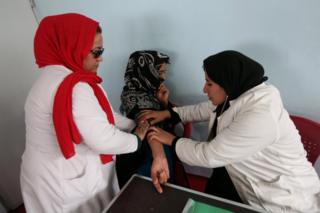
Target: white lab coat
[(261, 149), (49, 182)]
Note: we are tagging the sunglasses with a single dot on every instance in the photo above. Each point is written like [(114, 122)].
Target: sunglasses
[(97, 52)]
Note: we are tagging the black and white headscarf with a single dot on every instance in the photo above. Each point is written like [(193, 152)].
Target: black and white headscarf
[(235, 73), (142, 81)]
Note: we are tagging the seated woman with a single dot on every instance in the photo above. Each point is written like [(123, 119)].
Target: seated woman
[(144, 89)]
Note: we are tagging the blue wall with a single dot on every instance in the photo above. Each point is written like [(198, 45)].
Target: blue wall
[(281, 35)]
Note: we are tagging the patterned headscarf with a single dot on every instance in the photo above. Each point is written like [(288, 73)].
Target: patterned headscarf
[(142, 81)]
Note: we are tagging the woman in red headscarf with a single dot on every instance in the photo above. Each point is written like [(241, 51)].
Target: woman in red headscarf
[(72, 132)]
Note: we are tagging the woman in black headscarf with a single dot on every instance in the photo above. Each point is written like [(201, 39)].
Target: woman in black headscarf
[(253, 146), (144, 89)]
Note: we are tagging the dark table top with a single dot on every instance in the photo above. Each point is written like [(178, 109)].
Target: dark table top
[(139, 195)]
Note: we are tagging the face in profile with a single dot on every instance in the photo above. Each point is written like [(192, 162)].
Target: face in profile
[(163, 71), (214, 91), (92, 60)]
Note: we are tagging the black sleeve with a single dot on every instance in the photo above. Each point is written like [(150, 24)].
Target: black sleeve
[(173, 146), (174, 117)]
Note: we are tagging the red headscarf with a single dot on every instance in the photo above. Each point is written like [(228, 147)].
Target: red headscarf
[(66, 40)]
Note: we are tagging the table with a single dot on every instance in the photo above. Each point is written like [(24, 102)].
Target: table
[(139, 195)]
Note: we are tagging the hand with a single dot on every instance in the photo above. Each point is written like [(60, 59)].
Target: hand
[(160, 135), (142, 129), (163, 94), (159, 172), (153, 116)]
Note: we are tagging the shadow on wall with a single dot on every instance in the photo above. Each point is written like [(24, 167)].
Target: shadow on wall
[(2, 209), (12, 131)]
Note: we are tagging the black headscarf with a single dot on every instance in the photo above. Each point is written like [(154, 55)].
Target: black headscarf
[(142, 81), (235, 73)]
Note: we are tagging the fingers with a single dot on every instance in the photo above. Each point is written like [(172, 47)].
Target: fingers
[(163, 177), (158, 131), (144, 125), (142, 129), (166, 170), (156, 182), (161, 87), (159, 178), (152, 116), (154, 134), (153, 138), (154, 129), (146, 115), (159, 173), (163, 94)]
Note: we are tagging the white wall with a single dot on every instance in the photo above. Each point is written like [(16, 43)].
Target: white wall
[(17, 74), (282, 35)]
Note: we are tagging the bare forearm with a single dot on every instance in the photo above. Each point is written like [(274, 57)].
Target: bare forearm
[(157, 149)]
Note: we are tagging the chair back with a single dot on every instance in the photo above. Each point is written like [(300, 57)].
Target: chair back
[(187, 130), (310, 136)]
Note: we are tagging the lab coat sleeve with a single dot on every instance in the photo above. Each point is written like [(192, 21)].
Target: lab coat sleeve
[(249, 133), (123, 122), (195, 113), (95, 129)]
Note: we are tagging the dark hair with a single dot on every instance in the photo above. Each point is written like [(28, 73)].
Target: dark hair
[(99, 30)]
